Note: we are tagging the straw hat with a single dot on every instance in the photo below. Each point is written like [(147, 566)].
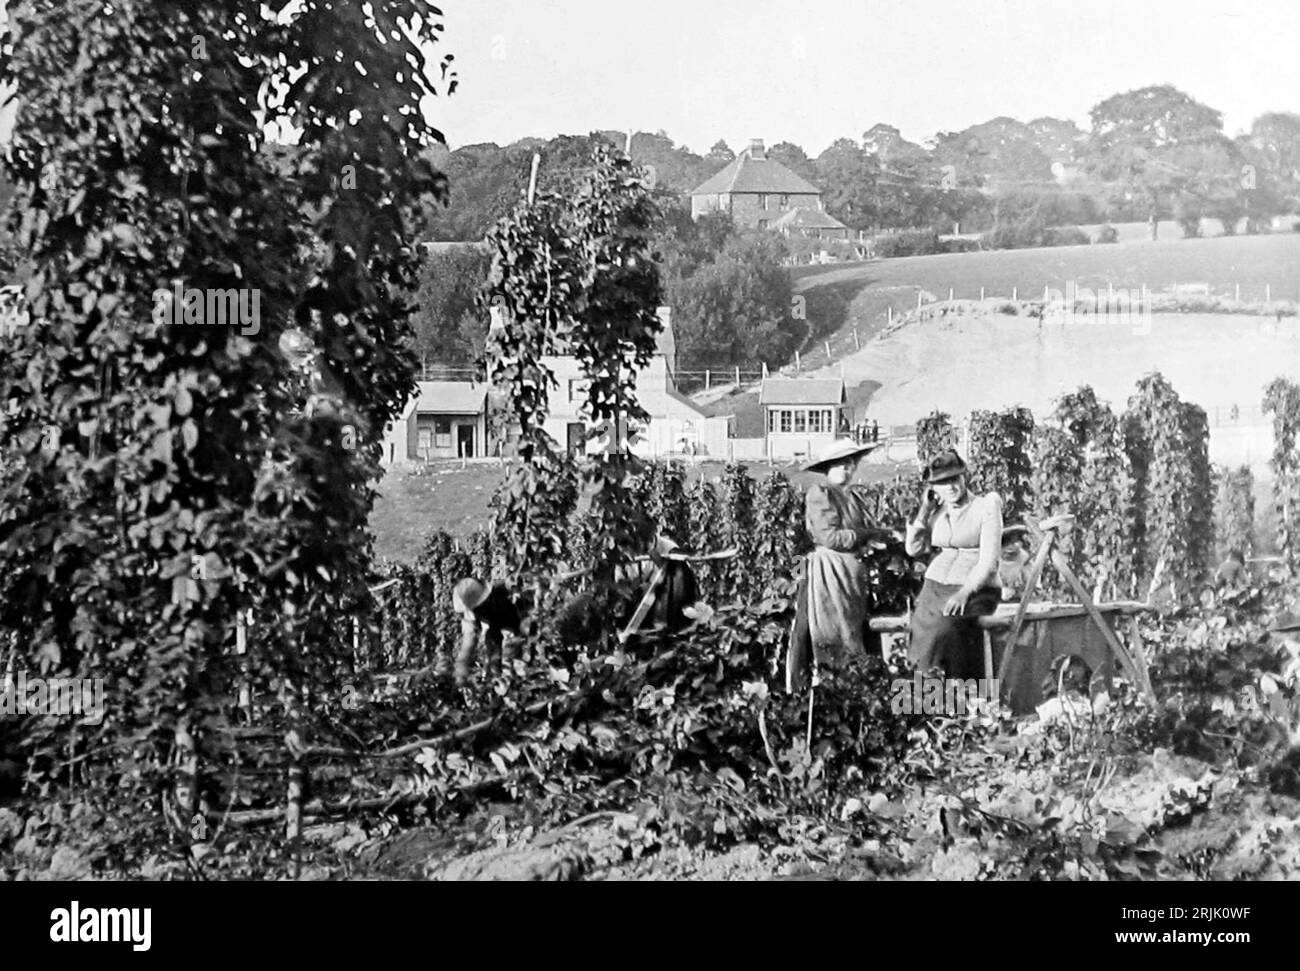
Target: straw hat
[(840, 450), (468, 594)]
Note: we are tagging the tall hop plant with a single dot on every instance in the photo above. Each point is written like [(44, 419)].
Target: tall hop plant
[(573, 275), (1001, 444), (160, 479), (1104, 501), (1282, 400), (934, 433), (1165, 442), (1234, 511)]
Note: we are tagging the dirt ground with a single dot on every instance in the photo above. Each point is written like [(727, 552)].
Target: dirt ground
[(1195, 821)]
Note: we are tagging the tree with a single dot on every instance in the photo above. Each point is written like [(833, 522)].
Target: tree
[(720, 154), (736, 310), (1135, 137), (795, 159), (161, 478), (847, 175), (1059, 139), (450, 321)]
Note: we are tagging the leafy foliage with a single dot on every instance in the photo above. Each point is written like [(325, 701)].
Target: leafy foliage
[(1000, 448), (1166, 442), (1282, 400), (1234, 511), (161, 479), (934, 433)]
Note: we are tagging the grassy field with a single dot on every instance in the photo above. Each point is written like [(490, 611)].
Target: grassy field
[(415, 500), (841, 299), (1251, 261)]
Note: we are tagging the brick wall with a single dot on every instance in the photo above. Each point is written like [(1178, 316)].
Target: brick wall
[(746, 211)]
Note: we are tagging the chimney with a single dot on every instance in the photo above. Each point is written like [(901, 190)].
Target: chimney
[(756, 149)]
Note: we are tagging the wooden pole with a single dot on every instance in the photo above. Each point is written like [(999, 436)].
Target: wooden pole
[(532, 178), (1035, 571)]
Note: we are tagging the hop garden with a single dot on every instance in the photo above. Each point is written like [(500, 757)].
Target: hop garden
[(277, 702)]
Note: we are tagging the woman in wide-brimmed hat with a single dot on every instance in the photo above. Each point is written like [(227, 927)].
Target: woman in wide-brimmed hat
[(961, 582), (830, 608)]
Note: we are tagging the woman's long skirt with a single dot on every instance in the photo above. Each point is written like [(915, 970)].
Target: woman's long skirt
[(831, 623), (955, 644)]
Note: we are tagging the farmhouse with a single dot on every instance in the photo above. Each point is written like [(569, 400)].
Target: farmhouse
[(676, 425), (758, 191), (801, 415), (445, 420)]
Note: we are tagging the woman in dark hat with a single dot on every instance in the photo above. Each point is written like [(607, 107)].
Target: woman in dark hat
[(831, 606), (961, 582)]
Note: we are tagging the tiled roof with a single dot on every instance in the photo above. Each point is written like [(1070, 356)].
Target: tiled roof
[(805, 218), (748, 174), (802, 391), (451, 397)]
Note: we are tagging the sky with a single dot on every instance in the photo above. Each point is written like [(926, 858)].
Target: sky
[(812, 71)]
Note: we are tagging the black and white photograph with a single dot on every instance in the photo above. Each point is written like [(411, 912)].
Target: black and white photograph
[(596, 440)]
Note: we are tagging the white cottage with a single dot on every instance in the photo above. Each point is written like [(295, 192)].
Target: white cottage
[(677, 426), (801, 415)]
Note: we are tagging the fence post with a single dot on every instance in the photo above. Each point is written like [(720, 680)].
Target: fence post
[(856, 342), (950, 293), (797, 365), (891, 315), (918, 299), (1238, 290), (1268, 293), (737, 377), (981, 294), (706, 379), (828, 348), (1014, 293)]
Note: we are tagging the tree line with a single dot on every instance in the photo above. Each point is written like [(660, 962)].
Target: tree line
[(1154, 153)]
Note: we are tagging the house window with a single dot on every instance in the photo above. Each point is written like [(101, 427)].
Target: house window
[(800, 421), (771, 420), (815, 422), (786, 421), (762, 202), (442, 433), (828, 420), (426, 440), (785, 202)]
